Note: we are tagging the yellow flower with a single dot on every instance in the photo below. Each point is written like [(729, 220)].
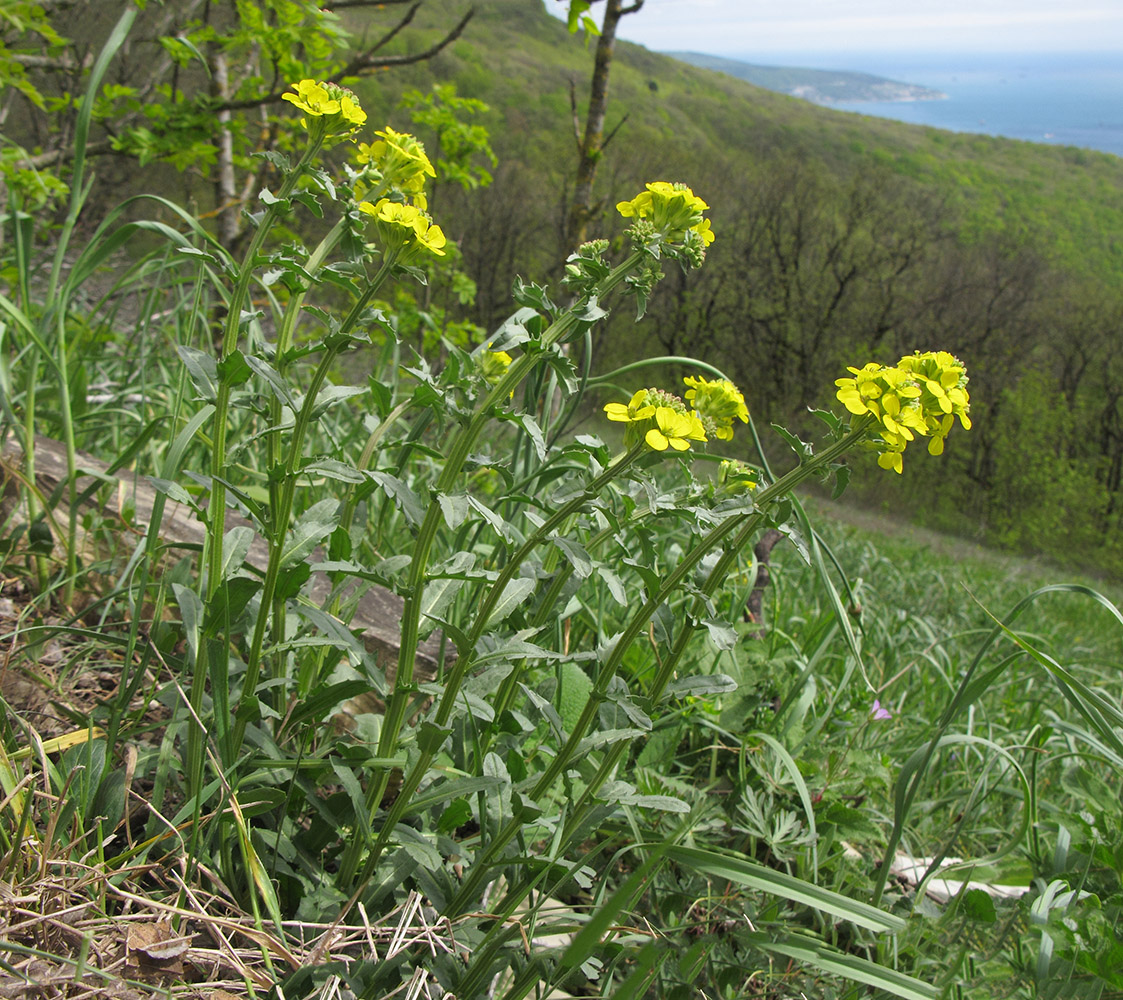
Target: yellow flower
[(673, 209), (400, 160), (718, 403), (405, 228), (429, 237), (312, 98), (351, 111), (658, 418), (921, 394), (635, 411), (674, 429), (337, 105)]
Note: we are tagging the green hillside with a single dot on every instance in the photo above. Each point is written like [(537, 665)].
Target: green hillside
[(840, 237), (686, 121)]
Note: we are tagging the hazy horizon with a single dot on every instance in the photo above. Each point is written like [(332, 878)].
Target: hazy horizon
[(728, 27)]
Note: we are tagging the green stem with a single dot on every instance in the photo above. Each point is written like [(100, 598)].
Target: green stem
[(285, 336), (668, 359), (746, 523), (229, 345), (451, 688), (279, 520), (459, 450)]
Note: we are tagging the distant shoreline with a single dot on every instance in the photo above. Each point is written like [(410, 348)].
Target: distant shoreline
[(1060, 99), (819, 86)]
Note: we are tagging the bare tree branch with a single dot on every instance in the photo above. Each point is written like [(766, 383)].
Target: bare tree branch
[(344, 4), (359, 68), (64, 64), (576, 113), (409, 15)]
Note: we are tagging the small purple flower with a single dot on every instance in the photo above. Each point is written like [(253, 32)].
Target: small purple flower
[(878, 713)]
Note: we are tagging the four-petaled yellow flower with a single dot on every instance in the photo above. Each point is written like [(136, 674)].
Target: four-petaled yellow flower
[(673, 209), (922, 394), (658, 418), (636, 410), (673, 429)]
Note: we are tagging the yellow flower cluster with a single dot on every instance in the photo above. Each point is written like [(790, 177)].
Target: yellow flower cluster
[(406, 229), (717, 403), (658, 418), (337, 107), (400, 162), (394, 171), (922, 394), (674, 210)]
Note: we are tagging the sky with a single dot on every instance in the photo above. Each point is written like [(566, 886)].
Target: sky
[(760, 27)]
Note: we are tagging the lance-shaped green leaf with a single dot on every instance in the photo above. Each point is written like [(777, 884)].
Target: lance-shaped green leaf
[(191, 612), (315, 523), (277, 385), (851, 967), (514, 593), (440, 591), (754, 876), (403, 497), (329, 395), (202, 370), (234, 549)]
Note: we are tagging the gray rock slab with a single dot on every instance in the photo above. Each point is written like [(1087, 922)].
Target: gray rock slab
[(378, 614)]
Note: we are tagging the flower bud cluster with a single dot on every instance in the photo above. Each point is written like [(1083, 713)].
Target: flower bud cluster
[(717, 402), (921, 395), (737, 477), (397, 161), (493, 365), (673, 209)]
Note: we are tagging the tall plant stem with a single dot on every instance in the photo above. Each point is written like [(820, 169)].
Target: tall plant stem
[(459, 450), (280, 518), (466, 657), (230, 337), (744, 526)]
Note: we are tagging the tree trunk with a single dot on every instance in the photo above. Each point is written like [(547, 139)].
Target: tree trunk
[(589, 149), (226, 192)]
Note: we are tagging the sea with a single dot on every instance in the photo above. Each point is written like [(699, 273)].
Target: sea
[(1069, 99)]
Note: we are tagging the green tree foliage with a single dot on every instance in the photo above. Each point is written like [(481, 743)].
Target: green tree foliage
[(198, 87)]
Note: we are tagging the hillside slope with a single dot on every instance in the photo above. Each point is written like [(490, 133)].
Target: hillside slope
[(822, 86), (677, 118), (840, 237)]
